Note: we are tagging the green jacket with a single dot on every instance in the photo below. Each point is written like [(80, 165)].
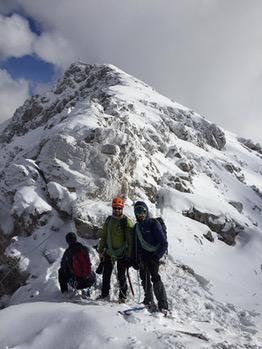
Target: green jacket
[(118, 237)]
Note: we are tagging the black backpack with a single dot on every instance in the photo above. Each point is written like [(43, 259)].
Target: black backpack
[(164, 228)]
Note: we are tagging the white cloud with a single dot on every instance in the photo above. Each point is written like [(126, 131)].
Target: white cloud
[(205, 54), (53, 48), (16, 38), (12, 94)]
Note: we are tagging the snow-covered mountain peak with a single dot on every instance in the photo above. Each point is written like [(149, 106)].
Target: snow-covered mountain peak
[(100, 133), (120, 95)]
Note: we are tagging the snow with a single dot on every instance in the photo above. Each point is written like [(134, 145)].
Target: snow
[(65, 325), (56, 173), (75, 326), (28, 198)]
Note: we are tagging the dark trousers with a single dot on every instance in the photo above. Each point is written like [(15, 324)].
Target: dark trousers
[(149, 273), (121, 276), (78, 283)]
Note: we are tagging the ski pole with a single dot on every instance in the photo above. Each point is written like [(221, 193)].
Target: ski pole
[(130, 283)]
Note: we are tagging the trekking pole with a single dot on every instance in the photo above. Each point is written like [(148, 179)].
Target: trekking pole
[(130, 283), (139, 291)]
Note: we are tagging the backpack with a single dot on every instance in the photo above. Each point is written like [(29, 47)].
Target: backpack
[(81, 264), (163, 226)]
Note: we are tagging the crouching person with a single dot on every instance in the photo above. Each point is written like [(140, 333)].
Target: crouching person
[(75, 267), (150, 245)]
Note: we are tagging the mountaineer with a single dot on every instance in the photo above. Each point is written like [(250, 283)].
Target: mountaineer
[(116, 245), (75, 267), (150, 244)]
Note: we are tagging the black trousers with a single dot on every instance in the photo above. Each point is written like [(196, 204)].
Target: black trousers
[(149, 274), (121, 276), (78, 283)]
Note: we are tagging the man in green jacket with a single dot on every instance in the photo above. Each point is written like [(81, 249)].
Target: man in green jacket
[(116, 244)]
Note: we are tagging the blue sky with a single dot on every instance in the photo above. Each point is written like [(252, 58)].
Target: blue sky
[(31, 68), (204, 54)]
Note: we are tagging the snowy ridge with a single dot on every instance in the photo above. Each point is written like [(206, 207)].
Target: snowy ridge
[(100, 133)]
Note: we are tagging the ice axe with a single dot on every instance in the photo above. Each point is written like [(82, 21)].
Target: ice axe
[(130, 283)]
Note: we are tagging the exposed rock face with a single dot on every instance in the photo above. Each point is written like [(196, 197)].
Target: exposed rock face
[(173, 153), (88, 230), (215, 136), (185, 165), (110, 149), (180, 183), (236, 171), (250, 144), (209, 236), (78, 82), (257, 191), (225, 228), (237, 205), (10, 275), (188, 127)]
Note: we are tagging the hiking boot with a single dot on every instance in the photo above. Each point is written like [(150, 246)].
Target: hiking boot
[(103, 298), (152, 307), (147, 301), (164, 311), (121, 300), (162, 305)]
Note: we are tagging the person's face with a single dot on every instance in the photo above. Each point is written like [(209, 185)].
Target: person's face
[(140, 213), (117, 211)]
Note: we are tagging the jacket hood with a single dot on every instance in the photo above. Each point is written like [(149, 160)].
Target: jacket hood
[(142, 204)]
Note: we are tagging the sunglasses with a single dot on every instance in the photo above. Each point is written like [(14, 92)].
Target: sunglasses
[(140, 211), (117, 208)]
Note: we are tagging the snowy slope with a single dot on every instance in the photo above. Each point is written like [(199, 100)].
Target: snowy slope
[(100, 133)]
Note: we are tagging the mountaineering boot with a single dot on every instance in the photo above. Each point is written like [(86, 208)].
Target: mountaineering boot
[(152, 307), (160, 294), (102, 297), (164, 311), (121, 300), (148, 299)]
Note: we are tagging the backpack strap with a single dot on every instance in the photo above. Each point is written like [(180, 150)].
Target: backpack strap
[(123, 225), (116, 253), (145, 245)]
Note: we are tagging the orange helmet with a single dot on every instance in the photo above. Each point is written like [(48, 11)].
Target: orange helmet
[(118, 202)]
